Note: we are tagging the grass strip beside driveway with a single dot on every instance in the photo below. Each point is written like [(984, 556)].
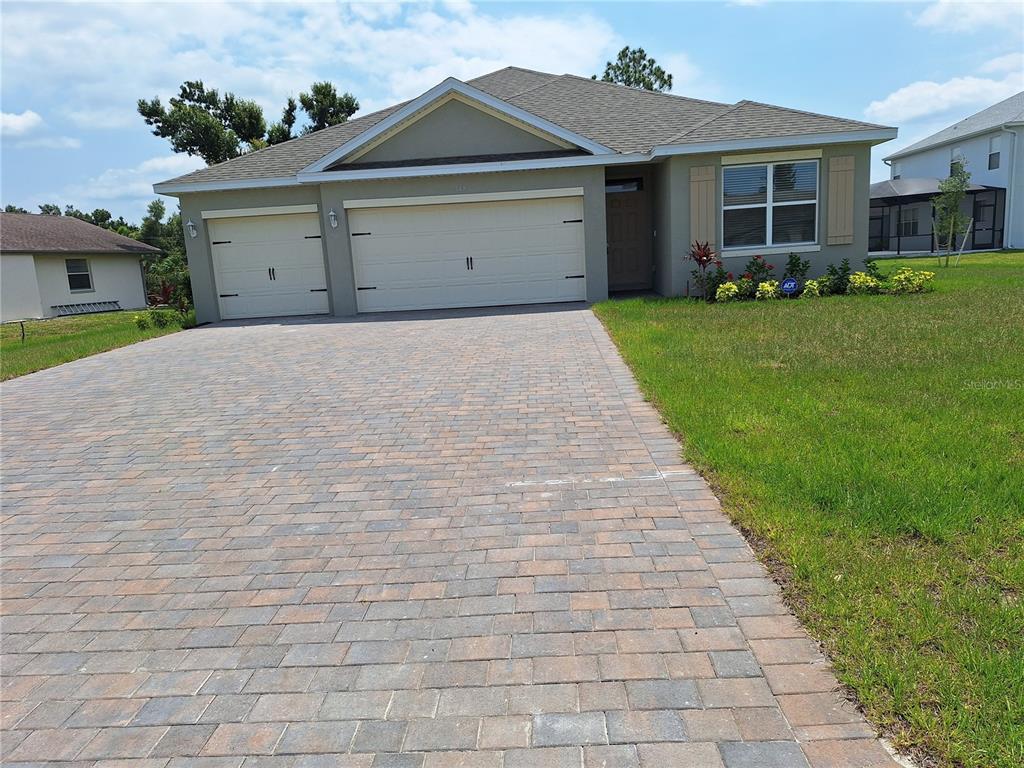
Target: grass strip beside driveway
[(874, 447), (63, 339)]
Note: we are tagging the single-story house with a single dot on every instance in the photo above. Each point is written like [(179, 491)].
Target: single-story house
[(988, 145), (520, 187), (60, 265)]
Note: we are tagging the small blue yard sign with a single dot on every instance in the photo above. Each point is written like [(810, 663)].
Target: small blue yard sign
[(789, 286)]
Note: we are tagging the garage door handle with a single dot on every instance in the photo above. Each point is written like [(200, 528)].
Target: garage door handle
[(226, 295), (318, 290), (574, 277)]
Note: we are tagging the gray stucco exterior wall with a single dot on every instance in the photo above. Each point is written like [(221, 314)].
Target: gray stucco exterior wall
[(673, 196), (455, 129)]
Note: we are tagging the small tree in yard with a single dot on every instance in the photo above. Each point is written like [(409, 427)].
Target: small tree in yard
[(950, 221), (703, 255)]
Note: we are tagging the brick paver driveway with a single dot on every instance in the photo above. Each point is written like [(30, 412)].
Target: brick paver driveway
[(430, 540)]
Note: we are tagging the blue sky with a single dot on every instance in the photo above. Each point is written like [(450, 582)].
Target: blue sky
[(73, 72)]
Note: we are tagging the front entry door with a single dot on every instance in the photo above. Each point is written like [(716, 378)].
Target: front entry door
[(629, 235)]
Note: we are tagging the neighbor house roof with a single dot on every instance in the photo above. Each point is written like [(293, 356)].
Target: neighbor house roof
[(42, 233), (912, 187), (1006, 112), (624, 120)]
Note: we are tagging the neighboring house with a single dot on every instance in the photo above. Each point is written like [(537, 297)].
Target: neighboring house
[(60, 265), (520, 187), (988, 146)]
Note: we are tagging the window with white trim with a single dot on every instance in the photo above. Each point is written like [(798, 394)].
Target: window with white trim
[(770, 204), (909, 222), (993, 153), (897, 171), (956, 158), (79, 277)]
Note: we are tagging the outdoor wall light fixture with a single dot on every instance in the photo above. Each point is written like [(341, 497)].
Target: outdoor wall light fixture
[(192, 231), (333, 217)]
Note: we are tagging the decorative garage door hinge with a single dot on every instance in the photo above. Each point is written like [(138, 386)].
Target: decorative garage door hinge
[(572, 221), (226, 295), (312, 237), (367, 288), (318, 290), (573, 277), (361, 234), (221, 242)]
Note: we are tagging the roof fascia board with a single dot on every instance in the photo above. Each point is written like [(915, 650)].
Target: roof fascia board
[(492, 167), (441, 89), (874, 136), (173, 189)]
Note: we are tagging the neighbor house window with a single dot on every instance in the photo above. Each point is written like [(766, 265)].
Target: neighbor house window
[(897, 171), (771, 204), (956, 159), (993, 153), (79, 277), (908, 222)]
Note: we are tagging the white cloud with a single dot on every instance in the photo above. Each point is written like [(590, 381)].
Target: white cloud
[(126, 51), (19, 123), (925, 97), (956, 16), (1011, 62), (49, 142), (130, 184)]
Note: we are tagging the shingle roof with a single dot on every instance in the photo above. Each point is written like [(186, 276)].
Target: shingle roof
[(1009, 110), (752, 119), (623, 119), (41, 233), (912, 187)]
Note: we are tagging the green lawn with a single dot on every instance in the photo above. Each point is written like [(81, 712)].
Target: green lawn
[(52, 342), (874, 446)]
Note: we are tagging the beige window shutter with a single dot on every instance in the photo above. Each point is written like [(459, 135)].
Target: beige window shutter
[(840, 200), (703, 206)]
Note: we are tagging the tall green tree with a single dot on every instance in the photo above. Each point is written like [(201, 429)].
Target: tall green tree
[(633, 67), (282, 131), (14, 209), (200, 121), (326, 107), (49, 209), (950, 222)]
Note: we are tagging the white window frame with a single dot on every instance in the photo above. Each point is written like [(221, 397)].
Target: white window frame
[(769, 205), (994, 146), (914, 215), (88, 271)]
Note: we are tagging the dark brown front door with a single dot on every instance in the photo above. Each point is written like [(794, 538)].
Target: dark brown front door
[(629, 236)]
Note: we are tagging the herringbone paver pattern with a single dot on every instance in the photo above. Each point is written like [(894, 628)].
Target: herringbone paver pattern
[(433, 540)]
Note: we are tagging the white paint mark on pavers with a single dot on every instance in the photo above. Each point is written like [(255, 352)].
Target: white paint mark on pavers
[(589, 480)]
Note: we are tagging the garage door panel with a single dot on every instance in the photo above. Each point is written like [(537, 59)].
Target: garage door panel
[(268, 266), (415, 257)]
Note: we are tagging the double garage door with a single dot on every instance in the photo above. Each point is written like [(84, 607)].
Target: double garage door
[(468, 254), (405, 257)]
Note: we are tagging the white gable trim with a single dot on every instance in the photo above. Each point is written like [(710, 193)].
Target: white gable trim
[(473, 94)]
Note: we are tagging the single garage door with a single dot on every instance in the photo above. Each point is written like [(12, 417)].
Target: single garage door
[(268, 266), (468, 254)]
